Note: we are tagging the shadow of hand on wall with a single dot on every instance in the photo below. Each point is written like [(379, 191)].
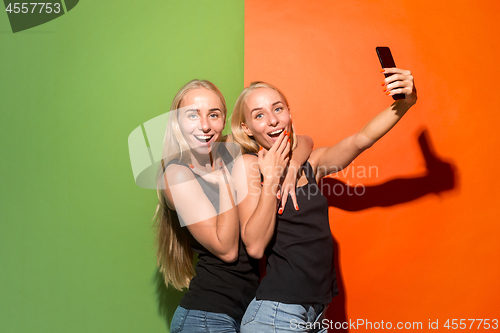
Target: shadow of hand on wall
[(168, 298), (440, 176)]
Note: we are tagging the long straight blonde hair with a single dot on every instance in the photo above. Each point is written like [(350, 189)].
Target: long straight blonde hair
[(174, 254), (247, 143)]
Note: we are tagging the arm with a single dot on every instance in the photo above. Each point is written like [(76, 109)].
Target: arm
[(328, 160), (218, 233), (300, 154), (257, 211)]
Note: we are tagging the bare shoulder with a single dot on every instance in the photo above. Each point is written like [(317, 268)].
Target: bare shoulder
[(246, 167), (176, 174), (306, 138), (251, 165), (248, 159), (315, 157)]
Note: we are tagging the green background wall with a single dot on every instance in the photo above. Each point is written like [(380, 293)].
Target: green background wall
[(76, 237)]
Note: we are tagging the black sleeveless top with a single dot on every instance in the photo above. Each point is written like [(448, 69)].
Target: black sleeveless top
[(300, 265), (218, 286)]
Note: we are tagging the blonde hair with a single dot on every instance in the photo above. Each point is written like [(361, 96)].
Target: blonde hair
[(174, 254), (247, 143)]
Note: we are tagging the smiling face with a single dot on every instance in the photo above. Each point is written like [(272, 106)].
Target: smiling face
[(266, 116), (201, 119)]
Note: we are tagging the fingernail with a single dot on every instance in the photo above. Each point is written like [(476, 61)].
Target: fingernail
[(296, 207), (280, 211), (285, 133), (260, 148), (278, 196), (382, 70), (385, 89), (288, 140), (383, 83), (387, 92), (191, 166)]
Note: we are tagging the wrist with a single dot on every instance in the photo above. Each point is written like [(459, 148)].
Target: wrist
[(270, 188), (270, 181), (293, 165), (404, 104)]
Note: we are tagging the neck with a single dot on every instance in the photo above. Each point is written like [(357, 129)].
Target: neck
[(204, 160)]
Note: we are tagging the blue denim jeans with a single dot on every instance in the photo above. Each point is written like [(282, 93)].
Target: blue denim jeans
[(268, 316), (195, 321)]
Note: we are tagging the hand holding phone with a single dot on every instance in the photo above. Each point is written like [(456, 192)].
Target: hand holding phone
[(387, 61)]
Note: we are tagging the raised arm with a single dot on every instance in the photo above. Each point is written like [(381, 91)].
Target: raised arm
[(257, 211), (328, 160), (218, 233)]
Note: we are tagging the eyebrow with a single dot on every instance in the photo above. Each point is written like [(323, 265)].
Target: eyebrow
[(198, 110), (275, 103)]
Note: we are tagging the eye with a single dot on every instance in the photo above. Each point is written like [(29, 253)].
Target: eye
[(259, 115), (214, 115), (192, 116), (278, 109)]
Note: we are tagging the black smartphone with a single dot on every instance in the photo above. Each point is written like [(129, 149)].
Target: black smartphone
[(387, 61)]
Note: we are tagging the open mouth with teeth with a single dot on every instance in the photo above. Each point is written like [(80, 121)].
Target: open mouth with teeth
[(276, 133), (204, 138)]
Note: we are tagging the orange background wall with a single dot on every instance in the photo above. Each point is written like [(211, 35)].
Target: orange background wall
[(423, 242)]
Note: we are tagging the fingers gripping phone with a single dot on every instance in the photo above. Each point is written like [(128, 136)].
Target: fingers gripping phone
[(387, 61)]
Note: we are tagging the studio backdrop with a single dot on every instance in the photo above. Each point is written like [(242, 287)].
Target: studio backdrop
[(414, 219)]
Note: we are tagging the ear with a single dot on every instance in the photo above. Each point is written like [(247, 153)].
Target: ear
[(246, 129)]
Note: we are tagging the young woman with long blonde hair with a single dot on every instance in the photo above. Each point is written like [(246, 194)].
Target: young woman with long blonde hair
[(300, 280)]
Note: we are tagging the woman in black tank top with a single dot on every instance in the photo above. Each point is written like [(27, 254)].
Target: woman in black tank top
[(300, 280), (197, 214)]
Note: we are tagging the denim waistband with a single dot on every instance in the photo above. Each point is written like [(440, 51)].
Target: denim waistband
[(317, 307)]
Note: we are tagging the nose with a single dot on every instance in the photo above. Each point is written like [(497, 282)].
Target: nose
[(272, 119), (204, 125)]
